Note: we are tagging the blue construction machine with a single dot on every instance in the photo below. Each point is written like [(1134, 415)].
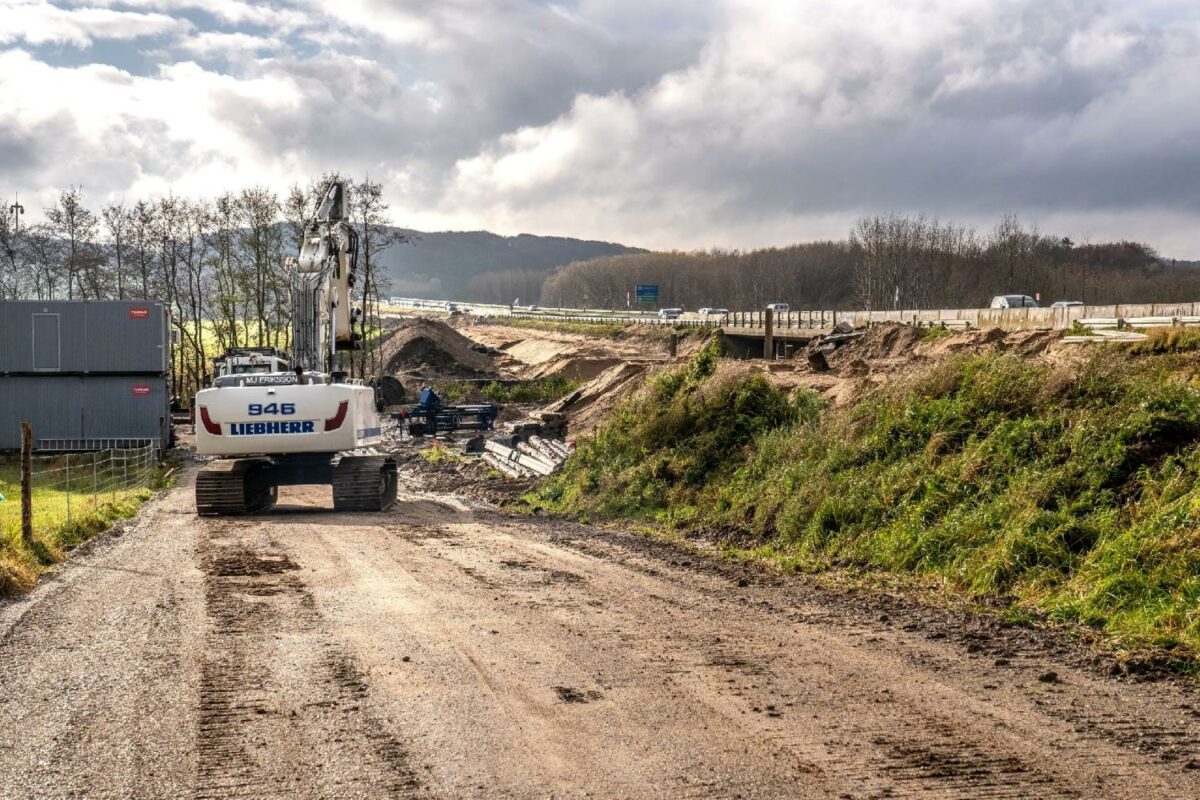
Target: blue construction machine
[(430, 416)]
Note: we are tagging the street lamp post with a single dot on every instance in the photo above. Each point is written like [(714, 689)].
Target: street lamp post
[(16, 209)]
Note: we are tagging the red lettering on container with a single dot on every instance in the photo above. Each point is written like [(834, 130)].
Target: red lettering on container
[(140, 389), (139, 313)]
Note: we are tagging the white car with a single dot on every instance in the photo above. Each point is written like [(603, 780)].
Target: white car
[(1065, 303), (778, 307), (669, 313), (1013, 301)]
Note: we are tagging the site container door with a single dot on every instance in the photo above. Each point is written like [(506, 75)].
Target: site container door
[(47, 349)]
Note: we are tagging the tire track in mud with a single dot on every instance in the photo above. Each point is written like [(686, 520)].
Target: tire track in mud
[(283, 710)]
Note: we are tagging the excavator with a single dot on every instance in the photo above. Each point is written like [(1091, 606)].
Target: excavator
[(272, 424)]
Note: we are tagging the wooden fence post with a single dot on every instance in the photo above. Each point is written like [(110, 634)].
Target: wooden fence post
[(27, 483)]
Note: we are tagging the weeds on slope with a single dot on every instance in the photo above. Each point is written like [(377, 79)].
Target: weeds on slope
[(1071, 494), (657, 452)]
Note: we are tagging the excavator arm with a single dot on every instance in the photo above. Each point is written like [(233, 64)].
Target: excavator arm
[(324, 323)]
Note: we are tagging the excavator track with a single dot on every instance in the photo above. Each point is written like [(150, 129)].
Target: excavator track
[(231, 486), (364, 483)]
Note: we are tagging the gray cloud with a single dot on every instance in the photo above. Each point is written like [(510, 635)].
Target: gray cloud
[(730, 122)]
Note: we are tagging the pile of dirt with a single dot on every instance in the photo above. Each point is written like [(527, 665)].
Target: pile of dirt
[(428, 347), (887, 340), (892, 343), (587, 406), (538, 351)]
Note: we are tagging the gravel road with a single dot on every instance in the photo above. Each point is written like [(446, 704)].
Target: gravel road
[(442, 650)]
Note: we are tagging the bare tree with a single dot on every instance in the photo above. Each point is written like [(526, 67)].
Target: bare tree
[(117, 222), (71, 221), (259, 241), (375, 234), (143, 225)]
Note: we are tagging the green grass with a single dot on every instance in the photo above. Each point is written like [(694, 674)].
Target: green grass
[(1072, 496), (607, 330), (540, 390), (55, 532), (935, 332), (437, 454)]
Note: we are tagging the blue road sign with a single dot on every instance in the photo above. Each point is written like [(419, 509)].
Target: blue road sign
[(646, 292)]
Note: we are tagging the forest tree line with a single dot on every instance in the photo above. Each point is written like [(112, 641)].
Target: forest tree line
[(887, 262), (217, 263)]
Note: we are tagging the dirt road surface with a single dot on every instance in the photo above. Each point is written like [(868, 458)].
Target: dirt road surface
[(441, 650)]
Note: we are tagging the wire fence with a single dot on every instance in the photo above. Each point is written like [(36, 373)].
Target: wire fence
[(71, 491)]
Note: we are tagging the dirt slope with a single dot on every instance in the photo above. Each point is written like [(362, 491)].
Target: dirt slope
[(441, 651)]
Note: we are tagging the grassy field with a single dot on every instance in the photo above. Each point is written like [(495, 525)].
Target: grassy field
[(56, 527), (1065, 495)]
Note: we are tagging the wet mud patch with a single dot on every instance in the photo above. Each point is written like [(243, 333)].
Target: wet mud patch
[(242, 562), (569, 694)]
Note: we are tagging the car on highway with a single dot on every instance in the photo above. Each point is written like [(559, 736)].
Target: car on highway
[(534, 308), (1066, 303), (712, 312), (778, 307), (669, 313), (1013, 301)]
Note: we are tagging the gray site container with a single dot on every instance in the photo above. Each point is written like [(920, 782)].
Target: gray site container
[(118, 337), (85, 413)]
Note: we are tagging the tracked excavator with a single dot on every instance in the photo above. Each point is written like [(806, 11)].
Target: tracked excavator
[(271, 423)]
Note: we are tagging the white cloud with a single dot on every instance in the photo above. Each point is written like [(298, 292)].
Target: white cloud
[(113, 131), (278, 16), (38, 22), (217, 43)]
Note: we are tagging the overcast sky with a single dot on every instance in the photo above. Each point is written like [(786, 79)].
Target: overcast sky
[(651, 122)]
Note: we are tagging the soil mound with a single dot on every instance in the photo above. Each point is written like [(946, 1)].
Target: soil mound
[(587, 406), (427, 346)]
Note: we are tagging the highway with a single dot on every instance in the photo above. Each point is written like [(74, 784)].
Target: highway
[(807, 322)]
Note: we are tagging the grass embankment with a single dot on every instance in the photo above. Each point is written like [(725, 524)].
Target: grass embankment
[(53, 535), (1069, 495)]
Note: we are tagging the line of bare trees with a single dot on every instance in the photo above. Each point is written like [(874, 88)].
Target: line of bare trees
[(887, 262), (218, 263)]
